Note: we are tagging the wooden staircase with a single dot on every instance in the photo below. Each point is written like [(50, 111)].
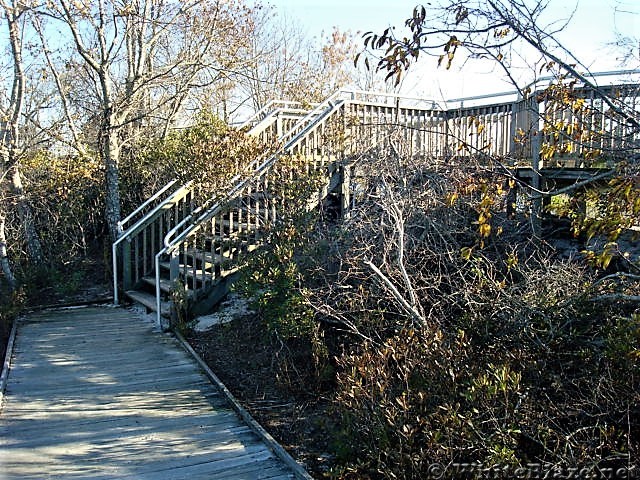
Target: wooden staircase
[(173, 250), (209, 240)]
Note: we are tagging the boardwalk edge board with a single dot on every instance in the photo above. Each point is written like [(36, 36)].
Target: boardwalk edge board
[(96, 302), (274, 446), (7, 361)]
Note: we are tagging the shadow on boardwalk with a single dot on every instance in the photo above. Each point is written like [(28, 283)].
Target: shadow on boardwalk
[(97, 393)]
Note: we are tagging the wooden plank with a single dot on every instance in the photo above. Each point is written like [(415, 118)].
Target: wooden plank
[(134, 427), (166, 285), (62, 375), (4, 375), (148, 301), (223, 464), (84, 390), (71, 406), (158, 462)]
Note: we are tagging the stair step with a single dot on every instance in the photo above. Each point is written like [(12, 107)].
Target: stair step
[(191, 272), (243, 225), (198, 273), (209, 259), (149, 301), (165, 285)]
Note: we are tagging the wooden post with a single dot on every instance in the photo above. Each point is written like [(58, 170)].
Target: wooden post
[(127, 280), (345, 190), (174, 265), (536, 138), (513, 129)]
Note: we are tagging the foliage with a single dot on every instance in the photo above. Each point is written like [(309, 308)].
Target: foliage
[(67, 198), (182, 317), (275, 279), (465, 344), (286, 64), (276, 274), (209, 152)]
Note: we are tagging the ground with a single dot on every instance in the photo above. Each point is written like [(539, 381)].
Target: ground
[(238, 353)]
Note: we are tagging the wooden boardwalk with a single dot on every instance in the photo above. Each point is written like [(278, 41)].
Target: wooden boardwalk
[(97, 393)]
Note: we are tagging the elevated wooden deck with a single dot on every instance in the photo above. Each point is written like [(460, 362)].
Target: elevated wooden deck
[(97, 393)]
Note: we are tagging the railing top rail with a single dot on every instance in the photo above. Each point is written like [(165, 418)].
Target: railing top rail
[(144, 220), (540, 81), (122, 223), (271, 107), (282, 112)]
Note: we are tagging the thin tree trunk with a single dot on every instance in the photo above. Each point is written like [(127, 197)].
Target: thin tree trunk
[(10, 138), (34, 246), (111, 155), (4, 257)]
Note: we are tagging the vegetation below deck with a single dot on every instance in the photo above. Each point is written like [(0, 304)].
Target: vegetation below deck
[(431, 328)]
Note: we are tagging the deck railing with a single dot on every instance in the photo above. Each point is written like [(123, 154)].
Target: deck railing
[(222, 230), (133, 252)]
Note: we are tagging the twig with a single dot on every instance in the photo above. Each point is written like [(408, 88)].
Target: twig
[(615, 297), (394, 291)]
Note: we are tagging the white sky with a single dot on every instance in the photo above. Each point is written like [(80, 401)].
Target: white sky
[(592, 29)]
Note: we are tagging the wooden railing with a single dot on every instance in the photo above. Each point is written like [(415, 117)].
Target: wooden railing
[(204, 244), (275, 119), (134, 251)]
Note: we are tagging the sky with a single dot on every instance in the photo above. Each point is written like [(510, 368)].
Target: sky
[(591, 31)]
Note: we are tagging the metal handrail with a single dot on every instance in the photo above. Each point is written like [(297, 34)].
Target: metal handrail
[(126, 235), (128, 218)]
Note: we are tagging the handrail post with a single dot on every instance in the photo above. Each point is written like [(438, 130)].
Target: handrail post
[(536, 128), (127, 274), (114, 259)]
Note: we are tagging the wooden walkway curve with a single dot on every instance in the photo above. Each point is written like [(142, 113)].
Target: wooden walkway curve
[(98, 393)]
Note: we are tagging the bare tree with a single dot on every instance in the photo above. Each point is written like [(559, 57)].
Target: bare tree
[(11, 187), (144, 59), (284, 63)]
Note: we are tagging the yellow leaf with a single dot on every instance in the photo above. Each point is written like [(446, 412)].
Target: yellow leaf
[(485, 230), (466, 252)]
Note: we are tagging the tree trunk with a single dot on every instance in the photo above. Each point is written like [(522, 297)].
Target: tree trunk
[(111, 155), (9, 140), (4, 258), (34, 246)]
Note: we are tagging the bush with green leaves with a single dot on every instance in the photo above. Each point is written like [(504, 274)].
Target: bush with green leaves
[(210, 153), (457, 335)]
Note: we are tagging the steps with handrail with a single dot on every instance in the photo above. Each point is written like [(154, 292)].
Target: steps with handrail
[(180, 251)]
